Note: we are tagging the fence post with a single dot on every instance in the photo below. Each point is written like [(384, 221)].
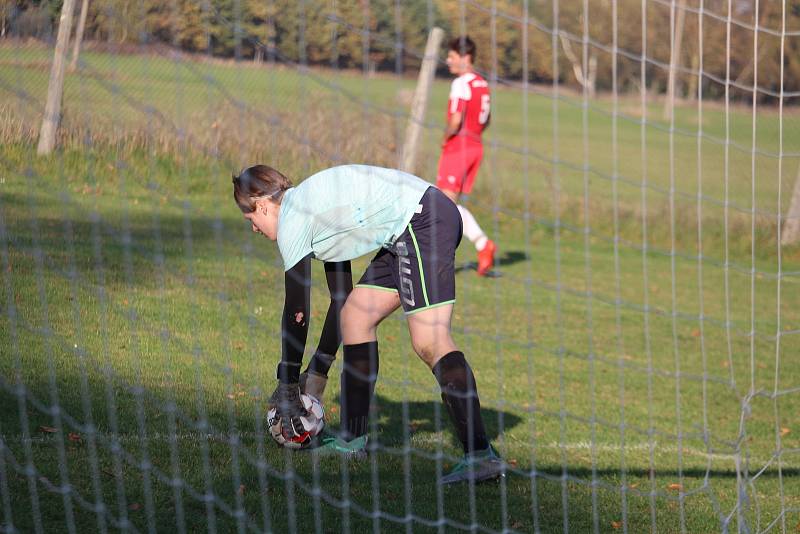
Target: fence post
[(76, 47), (420, 101), (55, 89), (790, 233)]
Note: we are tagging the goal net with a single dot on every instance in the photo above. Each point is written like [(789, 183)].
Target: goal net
[(635, 345)]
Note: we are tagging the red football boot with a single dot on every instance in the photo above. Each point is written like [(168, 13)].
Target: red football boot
[(486, 257)]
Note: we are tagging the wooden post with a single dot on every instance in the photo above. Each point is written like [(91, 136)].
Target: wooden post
[(76, 47), (420, 101), (790, 233), (675, 55), (55, 89)]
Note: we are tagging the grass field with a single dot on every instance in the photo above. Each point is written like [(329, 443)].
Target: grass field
[(645, 389)]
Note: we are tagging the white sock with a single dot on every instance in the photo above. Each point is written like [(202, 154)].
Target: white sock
[(472, 231)]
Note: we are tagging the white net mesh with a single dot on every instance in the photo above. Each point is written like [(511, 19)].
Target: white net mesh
[(634, 349)]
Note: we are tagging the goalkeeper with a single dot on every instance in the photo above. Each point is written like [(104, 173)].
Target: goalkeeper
[(335, 216), (252, 190)]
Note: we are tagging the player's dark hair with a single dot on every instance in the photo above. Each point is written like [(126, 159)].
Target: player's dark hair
[(257, 182), (463, 46)]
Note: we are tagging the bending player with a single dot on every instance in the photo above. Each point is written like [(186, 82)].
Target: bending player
[(468, 114), (251, 189), (340, 214)]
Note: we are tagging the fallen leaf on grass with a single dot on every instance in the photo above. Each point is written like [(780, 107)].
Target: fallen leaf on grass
[(616, 524), (675, 486), (48, 429), (696, 332), (784, 431), (633, 486)]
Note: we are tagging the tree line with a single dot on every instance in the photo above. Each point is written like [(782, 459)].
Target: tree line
[(515, 38)]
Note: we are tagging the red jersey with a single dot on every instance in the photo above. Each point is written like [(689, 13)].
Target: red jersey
[(469, 94)]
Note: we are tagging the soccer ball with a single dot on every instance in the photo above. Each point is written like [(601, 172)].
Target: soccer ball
[(314, 422)]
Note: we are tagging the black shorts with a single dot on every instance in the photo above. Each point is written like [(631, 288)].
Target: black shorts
[(421, 263)]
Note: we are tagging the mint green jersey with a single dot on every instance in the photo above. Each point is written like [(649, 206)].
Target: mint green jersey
[(345, 212)]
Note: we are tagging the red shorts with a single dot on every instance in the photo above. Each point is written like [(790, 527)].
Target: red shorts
[(458, 166)]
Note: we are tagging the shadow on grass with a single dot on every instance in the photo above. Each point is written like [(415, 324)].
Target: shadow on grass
[(296, 490), (509, 258), (129, 247), (400, 421), (203, 458)]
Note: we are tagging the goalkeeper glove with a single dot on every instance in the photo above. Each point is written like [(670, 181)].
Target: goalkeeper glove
[(289, 409)]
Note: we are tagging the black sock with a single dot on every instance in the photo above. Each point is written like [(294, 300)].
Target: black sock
[(289, 372), (460, 396), (320, 363), (358, 384)]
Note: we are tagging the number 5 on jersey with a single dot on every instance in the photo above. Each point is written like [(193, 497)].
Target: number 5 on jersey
[(483, 116)]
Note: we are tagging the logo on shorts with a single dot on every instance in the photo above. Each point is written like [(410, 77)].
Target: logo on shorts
[(406, 286)]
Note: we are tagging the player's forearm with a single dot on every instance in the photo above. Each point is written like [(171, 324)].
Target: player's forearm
[(453, 126), (294, 320), (340, 284)]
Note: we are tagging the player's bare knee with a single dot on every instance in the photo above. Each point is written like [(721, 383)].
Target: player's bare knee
[(431, 350), (428, 348), (426, 351)]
